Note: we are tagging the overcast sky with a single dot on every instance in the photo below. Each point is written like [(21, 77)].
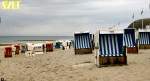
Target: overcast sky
[(63, 17)]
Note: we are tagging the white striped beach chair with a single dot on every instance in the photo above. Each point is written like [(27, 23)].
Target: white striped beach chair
[(144, 39), (38, 48), (111, 50), (130, 41), (82, 43)]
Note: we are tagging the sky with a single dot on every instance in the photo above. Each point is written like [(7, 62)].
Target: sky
[(64, 17)]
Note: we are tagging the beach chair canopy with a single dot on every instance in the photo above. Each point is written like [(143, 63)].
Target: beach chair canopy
[(82, 40), (111, 44), (144, 37), (129, 38)]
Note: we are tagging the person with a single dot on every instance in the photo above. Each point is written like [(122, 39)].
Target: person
[(43, 46), (63, 48), (69, 45), (2, 79)]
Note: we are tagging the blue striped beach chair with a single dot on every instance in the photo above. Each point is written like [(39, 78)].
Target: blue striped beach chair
[(130, 41), (82, 43), (111, 50), (144, 39)]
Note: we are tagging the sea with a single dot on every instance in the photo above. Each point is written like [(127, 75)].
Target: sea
[(12, 39)]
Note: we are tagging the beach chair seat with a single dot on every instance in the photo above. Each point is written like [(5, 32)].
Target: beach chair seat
[(82, 43)]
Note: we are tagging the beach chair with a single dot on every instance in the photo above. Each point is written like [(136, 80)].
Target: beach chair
[(58, 44), (130, 41), (82, 43), (66, 44), (38, 48), (110, 49), (144, 39), (17, 51), (49, 47), (24, 48), (30, 48), (8, 52)]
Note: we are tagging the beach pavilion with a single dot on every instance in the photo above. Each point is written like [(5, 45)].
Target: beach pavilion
[(137, 24), (143, 28)]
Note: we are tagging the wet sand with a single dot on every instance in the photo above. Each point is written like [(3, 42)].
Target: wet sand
[(61, 65)]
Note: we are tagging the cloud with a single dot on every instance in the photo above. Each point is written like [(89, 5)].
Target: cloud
[(63, 17)]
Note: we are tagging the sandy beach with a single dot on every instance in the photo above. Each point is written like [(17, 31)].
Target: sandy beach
[(64, 65)]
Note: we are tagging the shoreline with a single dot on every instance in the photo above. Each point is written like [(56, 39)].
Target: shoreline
[(24, 41), (5, 44)]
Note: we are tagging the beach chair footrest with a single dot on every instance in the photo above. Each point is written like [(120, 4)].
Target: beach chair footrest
[(83, 51), (112, 60), (132, 50), (142, 46)]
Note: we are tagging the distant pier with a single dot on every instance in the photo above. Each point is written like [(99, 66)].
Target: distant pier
[(35, 40)]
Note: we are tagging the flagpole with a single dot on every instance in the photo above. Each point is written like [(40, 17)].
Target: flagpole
[(142, 18), (142, 24), (133, 23)]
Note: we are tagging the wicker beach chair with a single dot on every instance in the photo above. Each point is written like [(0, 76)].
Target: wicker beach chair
[(130, 41), (82, 43), (49, 47), (58, 44), (144, 39), (38, 48), (8, 52), (17, 51), (29, 51), (23, 48), (111, 50)]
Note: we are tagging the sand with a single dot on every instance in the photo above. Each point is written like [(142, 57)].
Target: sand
[(63, 65)]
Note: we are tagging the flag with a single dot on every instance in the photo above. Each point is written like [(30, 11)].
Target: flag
[(142, 12), (133, 16)]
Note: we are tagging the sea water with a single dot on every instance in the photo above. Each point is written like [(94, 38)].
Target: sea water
[(10, 39)]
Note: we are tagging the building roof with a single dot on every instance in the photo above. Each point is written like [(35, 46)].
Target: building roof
[(138, 23)]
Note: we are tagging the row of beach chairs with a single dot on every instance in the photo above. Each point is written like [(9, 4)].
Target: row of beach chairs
[(28, 49), (112, 46), (31, 49)]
